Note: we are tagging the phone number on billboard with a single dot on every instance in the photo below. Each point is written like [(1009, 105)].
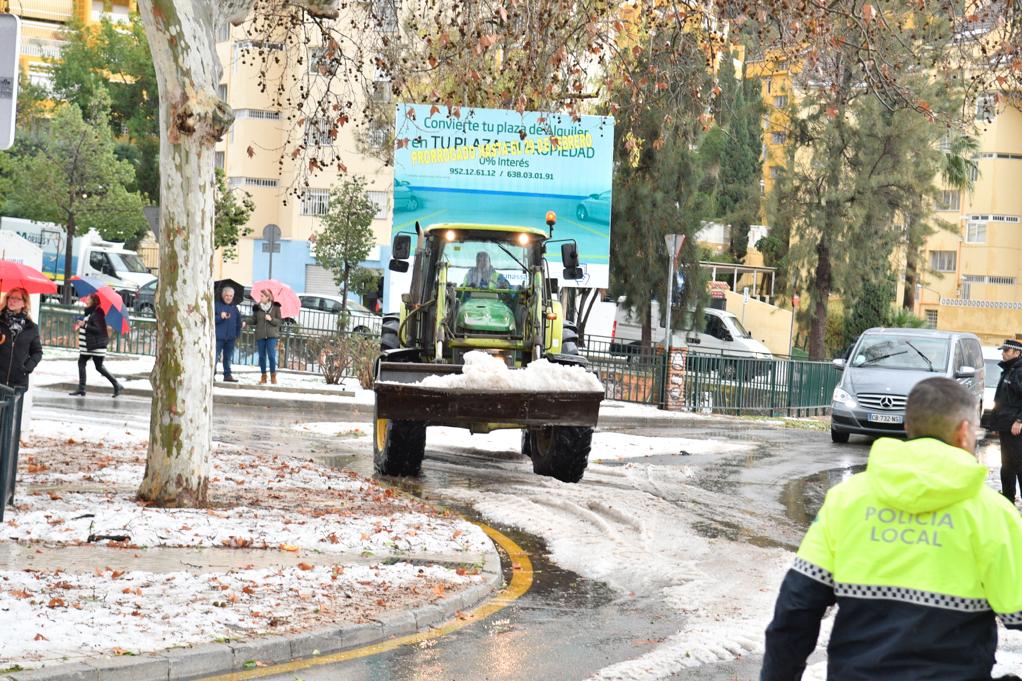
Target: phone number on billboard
[(526, 175)]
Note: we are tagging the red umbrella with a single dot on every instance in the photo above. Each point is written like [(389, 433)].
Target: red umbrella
[(290, 306), (109, 301), (16, 275)]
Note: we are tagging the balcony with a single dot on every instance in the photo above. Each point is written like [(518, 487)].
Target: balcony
[(47, 10)]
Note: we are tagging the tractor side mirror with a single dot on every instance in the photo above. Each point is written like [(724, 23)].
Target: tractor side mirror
[(398, 265), (402, 247), (569, 257)]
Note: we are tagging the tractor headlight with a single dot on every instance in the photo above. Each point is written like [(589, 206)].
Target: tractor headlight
[(846, 399)]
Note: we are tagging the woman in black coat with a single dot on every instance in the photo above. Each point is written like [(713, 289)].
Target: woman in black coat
[(20, 349), (93, 337)]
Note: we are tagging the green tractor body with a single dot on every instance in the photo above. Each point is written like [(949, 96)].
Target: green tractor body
[(480, 287)]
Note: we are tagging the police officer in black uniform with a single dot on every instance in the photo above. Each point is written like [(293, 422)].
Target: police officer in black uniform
[(1007, 416)]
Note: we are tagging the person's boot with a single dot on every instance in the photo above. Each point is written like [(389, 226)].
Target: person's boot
[(80, 392), (117, 389), (262, 379), (273, 378)]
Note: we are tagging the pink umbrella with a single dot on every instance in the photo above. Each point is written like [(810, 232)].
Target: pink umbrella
[(290, 306)]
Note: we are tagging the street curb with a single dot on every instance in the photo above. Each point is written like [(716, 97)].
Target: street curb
[(205, 659), (353, 409)]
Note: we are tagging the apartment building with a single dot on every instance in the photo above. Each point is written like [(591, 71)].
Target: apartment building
[(971, 280), (281, 224), (279, 245)]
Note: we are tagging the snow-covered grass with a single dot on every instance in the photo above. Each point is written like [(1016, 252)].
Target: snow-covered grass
[(78, 489), (61, 615)]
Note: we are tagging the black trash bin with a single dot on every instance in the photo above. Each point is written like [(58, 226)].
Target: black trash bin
[(10, 438)]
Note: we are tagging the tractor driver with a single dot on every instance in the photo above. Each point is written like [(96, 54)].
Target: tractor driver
[(483, 275)]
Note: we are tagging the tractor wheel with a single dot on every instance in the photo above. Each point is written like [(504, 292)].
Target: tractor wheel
[(388, 333), (526, 443), (569, 339), (398, 447), (561, 452)]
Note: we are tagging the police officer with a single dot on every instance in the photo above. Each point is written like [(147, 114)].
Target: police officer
[(1006, 418), (918, 553)]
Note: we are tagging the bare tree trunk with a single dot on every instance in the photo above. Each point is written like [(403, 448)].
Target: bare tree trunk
[(65, 294), (911, 278), (820, 297), (192, 119)]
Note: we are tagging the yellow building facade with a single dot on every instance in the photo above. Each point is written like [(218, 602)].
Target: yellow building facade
[(281, 224)]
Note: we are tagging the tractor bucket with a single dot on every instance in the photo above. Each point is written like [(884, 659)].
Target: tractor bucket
[(399, 397)]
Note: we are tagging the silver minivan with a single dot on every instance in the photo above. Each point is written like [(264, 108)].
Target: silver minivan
[(883, 367)]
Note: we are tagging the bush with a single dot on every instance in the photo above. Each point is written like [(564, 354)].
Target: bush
[(349, 354)]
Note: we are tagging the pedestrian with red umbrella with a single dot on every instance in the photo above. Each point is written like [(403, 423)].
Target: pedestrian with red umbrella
[(93, 332), (20, 349)]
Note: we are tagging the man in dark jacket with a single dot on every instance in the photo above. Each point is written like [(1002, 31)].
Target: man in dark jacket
[(918, 553), (228, 329), (1006, 416)]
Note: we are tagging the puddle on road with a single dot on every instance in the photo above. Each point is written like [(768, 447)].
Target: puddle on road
[(802, 498)]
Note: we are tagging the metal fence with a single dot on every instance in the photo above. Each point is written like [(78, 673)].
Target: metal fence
[(10, 439), (296, 350), (715, 383)]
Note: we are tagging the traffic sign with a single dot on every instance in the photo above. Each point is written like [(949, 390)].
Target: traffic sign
[(10, 47)]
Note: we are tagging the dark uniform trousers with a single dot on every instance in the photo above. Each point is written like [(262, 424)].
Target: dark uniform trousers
[(1011, 463)]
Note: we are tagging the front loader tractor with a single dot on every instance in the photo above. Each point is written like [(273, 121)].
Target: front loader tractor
[(478, 287)]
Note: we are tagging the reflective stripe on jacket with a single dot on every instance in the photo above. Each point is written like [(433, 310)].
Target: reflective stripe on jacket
[(920, 555)]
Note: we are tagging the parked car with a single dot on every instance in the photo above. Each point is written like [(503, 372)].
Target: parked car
[(145, 300), (991, 358), (884, 366), (594, 207), (322, 313), (404, 198), (721, 333)]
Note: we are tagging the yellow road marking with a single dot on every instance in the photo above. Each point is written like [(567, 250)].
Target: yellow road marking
[(521, 582)]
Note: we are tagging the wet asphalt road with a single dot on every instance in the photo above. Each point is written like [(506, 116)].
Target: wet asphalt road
[(566, 627)]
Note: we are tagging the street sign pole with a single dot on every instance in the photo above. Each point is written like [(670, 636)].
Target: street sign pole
[(674, 243), (10, 48)]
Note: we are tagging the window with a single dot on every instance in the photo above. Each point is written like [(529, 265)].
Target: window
[(381, 90), (218, 159), (320, 64), (386, 12), (986, 108), (943, 261), (945, 142), (223, 32), (769, 84), (261, 114), (775, 172), (378, 136), (221, 91), (319, 132), (251, 182), (973, 171), (949, 200), (380, 199), (781, 101), (976, 233), (316, 202), (931, 319), (778, 137)]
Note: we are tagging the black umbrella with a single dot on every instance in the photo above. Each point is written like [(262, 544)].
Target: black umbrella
[(239, 290)]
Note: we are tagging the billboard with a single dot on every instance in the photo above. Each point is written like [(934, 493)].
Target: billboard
[(498, 167)]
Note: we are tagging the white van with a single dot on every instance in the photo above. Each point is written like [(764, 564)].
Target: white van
[(721, 334)]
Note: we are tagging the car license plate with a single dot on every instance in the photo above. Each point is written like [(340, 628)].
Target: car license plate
[(886, 418)]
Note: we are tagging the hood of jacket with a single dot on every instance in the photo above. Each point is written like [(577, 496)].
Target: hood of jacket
[(922, 475)]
